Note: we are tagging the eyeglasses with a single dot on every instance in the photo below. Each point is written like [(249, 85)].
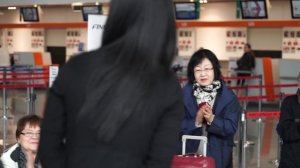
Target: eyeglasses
[(31, 134), (205, 70)]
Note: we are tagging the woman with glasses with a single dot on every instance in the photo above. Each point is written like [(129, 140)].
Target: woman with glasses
[(211, 109), (24, 153)]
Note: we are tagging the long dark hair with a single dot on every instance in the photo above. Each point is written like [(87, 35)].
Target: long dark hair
[(197, 58), (138, 43)]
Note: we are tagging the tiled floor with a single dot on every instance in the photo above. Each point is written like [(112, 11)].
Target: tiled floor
[(18, 105)]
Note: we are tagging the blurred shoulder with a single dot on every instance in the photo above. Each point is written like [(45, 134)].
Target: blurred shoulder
[(187, 87), (82, 63), (290, 99), (227, 92), (82, 58), (169, 79), (168, 84)]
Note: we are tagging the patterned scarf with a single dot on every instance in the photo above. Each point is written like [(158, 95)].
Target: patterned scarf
[(22, 161), (206, 93)]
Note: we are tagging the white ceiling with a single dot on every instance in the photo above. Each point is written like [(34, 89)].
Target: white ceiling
[(62, 2), (5, 3), (45, 2)]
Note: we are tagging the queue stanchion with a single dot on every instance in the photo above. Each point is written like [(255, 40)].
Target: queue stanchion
[(4, 105), (259, 121), (259, 127), (260, 93), (242, 141), (242, 134), (265, 114), (259, 115), (32, 95), (30, 92), (8, 81), (28, 95), (279, 139), (245, 141), (279, 143), (239, 140)]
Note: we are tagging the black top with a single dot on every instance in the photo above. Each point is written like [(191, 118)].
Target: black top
[(289, 131), (68, 142), (246, 62)]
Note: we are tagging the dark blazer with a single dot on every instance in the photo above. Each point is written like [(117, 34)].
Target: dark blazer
[(246, 62), (67, 142), (221, 131), (288, 129)]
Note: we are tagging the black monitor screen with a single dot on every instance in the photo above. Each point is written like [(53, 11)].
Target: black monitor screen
[(87, 10), (254, 9), (30, 14), (186, 10), (295, 8)]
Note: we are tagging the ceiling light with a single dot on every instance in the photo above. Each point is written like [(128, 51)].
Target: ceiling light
[(77, 4), (12, 8)]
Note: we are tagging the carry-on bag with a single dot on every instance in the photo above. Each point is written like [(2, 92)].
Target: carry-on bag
[(196, 160)]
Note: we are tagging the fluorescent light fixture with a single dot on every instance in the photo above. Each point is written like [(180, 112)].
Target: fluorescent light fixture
[(12, 8), (203, 1), (77, 4)]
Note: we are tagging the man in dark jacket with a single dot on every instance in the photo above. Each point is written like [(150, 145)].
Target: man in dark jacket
[(245, 64), (288, 129)]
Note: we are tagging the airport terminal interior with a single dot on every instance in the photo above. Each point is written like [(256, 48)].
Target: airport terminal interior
[(39, 36)]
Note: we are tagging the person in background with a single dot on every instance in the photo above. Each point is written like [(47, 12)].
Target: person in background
[(120, 105), (245, 64), (211, 109), (288, 130), (24, 153)]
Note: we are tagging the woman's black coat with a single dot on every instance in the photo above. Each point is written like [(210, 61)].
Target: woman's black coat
[(288, 129), (144, 141)]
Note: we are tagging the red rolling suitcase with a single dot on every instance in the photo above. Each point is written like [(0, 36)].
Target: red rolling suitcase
[(198, 160)]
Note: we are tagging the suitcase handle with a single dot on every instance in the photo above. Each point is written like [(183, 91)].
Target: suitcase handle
[(202, 145)]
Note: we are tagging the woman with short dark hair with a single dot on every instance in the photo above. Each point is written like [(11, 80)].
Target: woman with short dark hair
[(211, 109), (198, 57), (120, 105)]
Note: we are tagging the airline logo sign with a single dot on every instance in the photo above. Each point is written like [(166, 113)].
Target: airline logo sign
[(96, 24)]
